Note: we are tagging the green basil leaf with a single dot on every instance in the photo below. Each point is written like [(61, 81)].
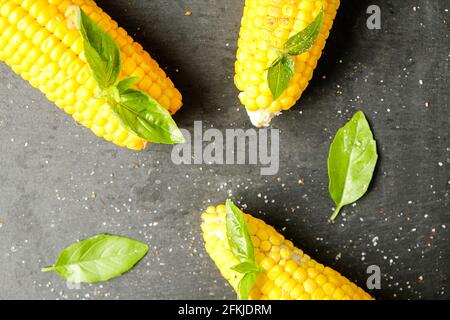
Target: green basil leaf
[(247, 267), (351, 162), (237, 233), (143, 115), (126, 84), (102, 52), (98, 258), (245, 285), (242, 248), (303, 41), (280, 74)]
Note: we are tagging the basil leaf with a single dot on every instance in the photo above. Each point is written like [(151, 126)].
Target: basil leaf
[(126, 84), (238, 237), (351, 162), (303, 41), (144, 116), (247, 267), (280, 74), (242, 248), (101, 51), (245, 285), (98, 258)]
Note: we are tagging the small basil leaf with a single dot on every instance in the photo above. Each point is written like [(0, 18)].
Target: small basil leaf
[(98, 258), (280, 74), (126, 84), (101, 51), (238, 237), (247, 267), (303, 41), (245, 285), (351, 162), (144, 116)]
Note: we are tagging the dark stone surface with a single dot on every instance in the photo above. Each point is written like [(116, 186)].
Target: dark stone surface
[(50, 167)]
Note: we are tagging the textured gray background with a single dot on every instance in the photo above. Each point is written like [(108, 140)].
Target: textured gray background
[(49, 166)]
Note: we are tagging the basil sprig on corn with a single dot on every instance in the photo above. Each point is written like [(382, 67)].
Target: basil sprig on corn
[(278, 49), (136, 110), (281, 271), (242, 248), (40, 40)]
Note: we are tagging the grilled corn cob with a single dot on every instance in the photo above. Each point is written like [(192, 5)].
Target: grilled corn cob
[(39, 40), (265, 28), (288, 273)]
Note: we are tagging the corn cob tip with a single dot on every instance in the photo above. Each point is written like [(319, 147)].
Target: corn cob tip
[(262, 118)]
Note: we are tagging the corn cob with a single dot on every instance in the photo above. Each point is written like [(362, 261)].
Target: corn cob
[(265, 28), (40, 42), (288, 272)]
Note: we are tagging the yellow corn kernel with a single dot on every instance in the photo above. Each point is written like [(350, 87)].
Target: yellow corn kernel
[(256, 242), (39, 40), (275, 256), (285, 253), (288, 272), (265, 27), (265, 245), (291, 266), (297, 292)]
